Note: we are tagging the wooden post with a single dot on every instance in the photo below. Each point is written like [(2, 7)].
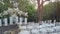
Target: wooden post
[(25, 20), (5, 20), (0, 22), (21, 20), (11, 21), (16, 20)]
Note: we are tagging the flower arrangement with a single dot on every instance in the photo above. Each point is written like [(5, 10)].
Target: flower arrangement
[(12, 11)]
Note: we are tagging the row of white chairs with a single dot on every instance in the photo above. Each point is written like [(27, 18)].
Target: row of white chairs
[(41, 29)]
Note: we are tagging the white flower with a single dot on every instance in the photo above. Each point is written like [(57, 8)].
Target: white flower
[(15, 11), (26, 14), (5, 12)]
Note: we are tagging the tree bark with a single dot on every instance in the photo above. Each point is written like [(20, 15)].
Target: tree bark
[(40, 10)]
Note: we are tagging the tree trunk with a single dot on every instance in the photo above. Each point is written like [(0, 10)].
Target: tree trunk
[(40, 9)]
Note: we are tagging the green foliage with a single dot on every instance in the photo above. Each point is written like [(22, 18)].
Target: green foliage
[(7, 3), (23, 4), (2, 8), (26, 6), (32, 15), (49, 11)]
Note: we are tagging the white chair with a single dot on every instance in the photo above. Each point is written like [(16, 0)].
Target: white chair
[(29, 27), (52, 24), (42, 26), (24, 32), (50, 30), (54, 33), (34, 31), (42, 31), (57, 28)]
